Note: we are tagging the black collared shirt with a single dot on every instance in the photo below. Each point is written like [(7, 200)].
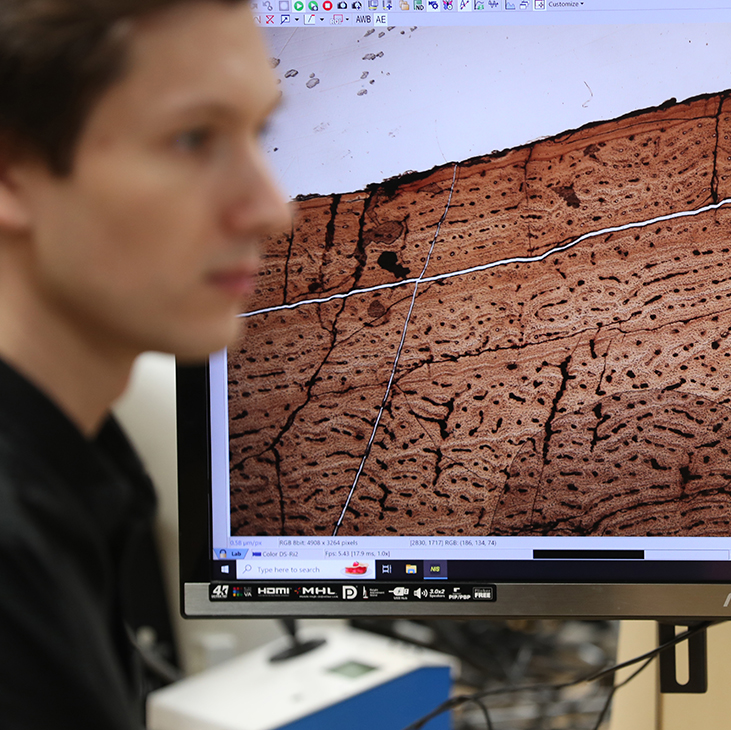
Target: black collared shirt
[(70, 510)]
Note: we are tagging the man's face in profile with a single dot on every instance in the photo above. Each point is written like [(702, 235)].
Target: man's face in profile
[(152, 241)]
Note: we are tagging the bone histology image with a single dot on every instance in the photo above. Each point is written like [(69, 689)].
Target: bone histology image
[(531, 342)]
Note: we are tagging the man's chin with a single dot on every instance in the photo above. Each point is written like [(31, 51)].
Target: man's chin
[(195, 351), (190, 360)]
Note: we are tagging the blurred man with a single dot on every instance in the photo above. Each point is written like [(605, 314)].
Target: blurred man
[(133, 197)]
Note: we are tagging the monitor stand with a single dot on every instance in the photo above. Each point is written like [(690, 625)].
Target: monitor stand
[(297, 647), (641, 705), (695, 656)]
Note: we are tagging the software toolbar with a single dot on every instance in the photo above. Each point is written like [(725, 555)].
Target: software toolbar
[(323, 13)]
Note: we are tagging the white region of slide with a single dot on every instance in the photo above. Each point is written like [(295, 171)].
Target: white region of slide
[(497, 88)]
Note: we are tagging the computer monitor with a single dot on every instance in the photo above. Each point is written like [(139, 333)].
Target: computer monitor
[(488, 371)]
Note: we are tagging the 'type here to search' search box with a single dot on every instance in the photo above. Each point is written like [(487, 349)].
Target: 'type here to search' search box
[(301, 570)]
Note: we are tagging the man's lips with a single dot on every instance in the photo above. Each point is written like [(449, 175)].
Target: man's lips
[(238, 282)]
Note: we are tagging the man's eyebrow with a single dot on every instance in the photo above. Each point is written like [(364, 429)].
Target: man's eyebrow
[(209, 107), (191, 108)]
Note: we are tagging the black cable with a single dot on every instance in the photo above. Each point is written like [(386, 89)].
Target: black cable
[(677, 639), (612, 691), (485, 712), (646, 658)]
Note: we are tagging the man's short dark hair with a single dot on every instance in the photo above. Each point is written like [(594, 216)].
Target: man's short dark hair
[(56, 59)]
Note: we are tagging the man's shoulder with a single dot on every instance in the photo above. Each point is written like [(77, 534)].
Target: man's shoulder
[(54, 620), (23, 467), (41, 524), (16, 471), (23, 504)]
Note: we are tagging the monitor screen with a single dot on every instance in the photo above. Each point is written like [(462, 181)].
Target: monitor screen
[(488, 370)]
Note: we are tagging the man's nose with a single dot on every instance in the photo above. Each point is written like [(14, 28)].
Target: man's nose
[(259, 207)]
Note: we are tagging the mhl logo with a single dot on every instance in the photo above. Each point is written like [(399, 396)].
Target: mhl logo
[(318, 591)]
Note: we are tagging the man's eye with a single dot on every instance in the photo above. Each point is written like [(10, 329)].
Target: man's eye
[(193, 140), (264, 129)]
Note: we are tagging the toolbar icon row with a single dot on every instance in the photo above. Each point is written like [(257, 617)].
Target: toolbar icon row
[(315, 6)]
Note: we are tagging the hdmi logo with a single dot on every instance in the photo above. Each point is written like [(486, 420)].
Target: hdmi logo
[(728, 601)]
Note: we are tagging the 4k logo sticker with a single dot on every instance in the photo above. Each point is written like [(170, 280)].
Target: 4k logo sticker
[(219, 593)]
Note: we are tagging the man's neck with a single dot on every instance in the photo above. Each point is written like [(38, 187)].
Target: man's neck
[(84, 392), (82, 374)]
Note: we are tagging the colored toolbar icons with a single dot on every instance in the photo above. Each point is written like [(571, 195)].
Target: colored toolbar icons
[(302, 12)]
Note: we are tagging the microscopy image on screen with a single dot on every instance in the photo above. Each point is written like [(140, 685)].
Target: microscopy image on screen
[(529, 342)]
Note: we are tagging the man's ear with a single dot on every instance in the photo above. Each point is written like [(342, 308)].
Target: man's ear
[(14, 213)]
